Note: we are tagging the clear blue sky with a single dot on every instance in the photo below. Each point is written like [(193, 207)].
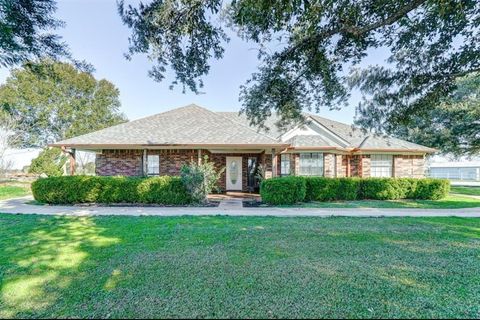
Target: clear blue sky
[(96, 34)]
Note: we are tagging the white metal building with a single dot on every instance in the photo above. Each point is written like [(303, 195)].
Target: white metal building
[(455, 170)]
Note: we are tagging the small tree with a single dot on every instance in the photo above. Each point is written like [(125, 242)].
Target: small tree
[(50, 162), (200, 179), (8, 140)]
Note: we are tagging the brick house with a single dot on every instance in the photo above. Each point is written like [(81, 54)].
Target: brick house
[(162, 143)]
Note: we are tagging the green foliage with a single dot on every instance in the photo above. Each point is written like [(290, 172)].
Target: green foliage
[(49, 161), (432, 189), (383, 189), (52, 101), (182, 35), (283, 190), (329, 189), (349, 188), (321, 189), (25, 31), (307, 47), (163, 190), (451, 125), (200, 179)]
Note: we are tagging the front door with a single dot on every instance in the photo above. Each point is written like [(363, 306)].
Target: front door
[(234, 173)]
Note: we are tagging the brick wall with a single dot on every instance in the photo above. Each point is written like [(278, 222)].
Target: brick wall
[(171, 161), (130, 163), (119, 162), (408, 166)]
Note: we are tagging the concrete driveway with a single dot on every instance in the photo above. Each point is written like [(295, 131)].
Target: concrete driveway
[(21, 206)]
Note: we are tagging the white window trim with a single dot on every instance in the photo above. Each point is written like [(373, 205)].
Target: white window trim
[(150, 167), (285, 163), (321, 167), (381, 165)]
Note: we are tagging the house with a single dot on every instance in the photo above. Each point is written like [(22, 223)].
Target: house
[(162, 143), (465, 170)]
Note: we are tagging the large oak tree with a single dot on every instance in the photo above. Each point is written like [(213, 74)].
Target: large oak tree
[(27, 31), (311, 52)]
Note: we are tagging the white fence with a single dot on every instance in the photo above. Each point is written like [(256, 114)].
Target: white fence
[(468, 173)]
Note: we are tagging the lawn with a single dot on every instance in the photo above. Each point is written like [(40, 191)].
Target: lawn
[(473, 191), (8, 190), (239, 267), (452, 201)]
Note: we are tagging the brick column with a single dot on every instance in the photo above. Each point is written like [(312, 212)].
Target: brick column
[(341, 166), (366, 166), (328, 165), (296, 168)]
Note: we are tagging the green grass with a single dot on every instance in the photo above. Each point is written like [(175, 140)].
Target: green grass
[(12, 191), (239, 267), (452, 201), (473, 191)]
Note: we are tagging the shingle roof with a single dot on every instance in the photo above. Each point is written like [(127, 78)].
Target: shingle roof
[(273, 131), (182, 126), (194, 125)]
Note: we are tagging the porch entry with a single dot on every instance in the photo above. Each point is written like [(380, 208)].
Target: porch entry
[(234, 173)]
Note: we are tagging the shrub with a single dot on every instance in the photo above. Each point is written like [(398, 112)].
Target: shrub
[(348, 188), (284, 190), (432, 189), (200, 179), (321, 189), (381, 189), (164, 190)]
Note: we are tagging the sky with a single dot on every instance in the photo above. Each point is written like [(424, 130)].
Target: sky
[(96, 34)]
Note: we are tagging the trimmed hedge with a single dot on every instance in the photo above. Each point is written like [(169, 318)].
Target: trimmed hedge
[(286, 190), (164, 190)]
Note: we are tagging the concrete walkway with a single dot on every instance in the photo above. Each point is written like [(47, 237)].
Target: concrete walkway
[(20, 206)]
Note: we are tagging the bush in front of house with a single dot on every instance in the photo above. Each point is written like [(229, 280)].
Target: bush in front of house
[(200, 179), (163, 190), (385, 188), (283, 190), (431, 189), (329, 189)]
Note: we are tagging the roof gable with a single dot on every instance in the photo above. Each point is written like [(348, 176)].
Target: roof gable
[(335, 134)]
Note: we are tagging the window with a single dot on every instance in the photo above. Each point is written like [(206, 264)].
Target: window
[(311, 164), (381, 165), (284, 164), (153, 165)]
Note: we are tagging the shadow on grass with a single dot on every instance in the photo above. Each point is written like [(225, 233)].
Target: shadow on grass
[(41, 259), (238, 267)]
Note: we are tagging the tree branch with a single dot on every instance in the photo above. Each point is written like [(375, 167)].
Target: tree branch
[(353, 30)]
